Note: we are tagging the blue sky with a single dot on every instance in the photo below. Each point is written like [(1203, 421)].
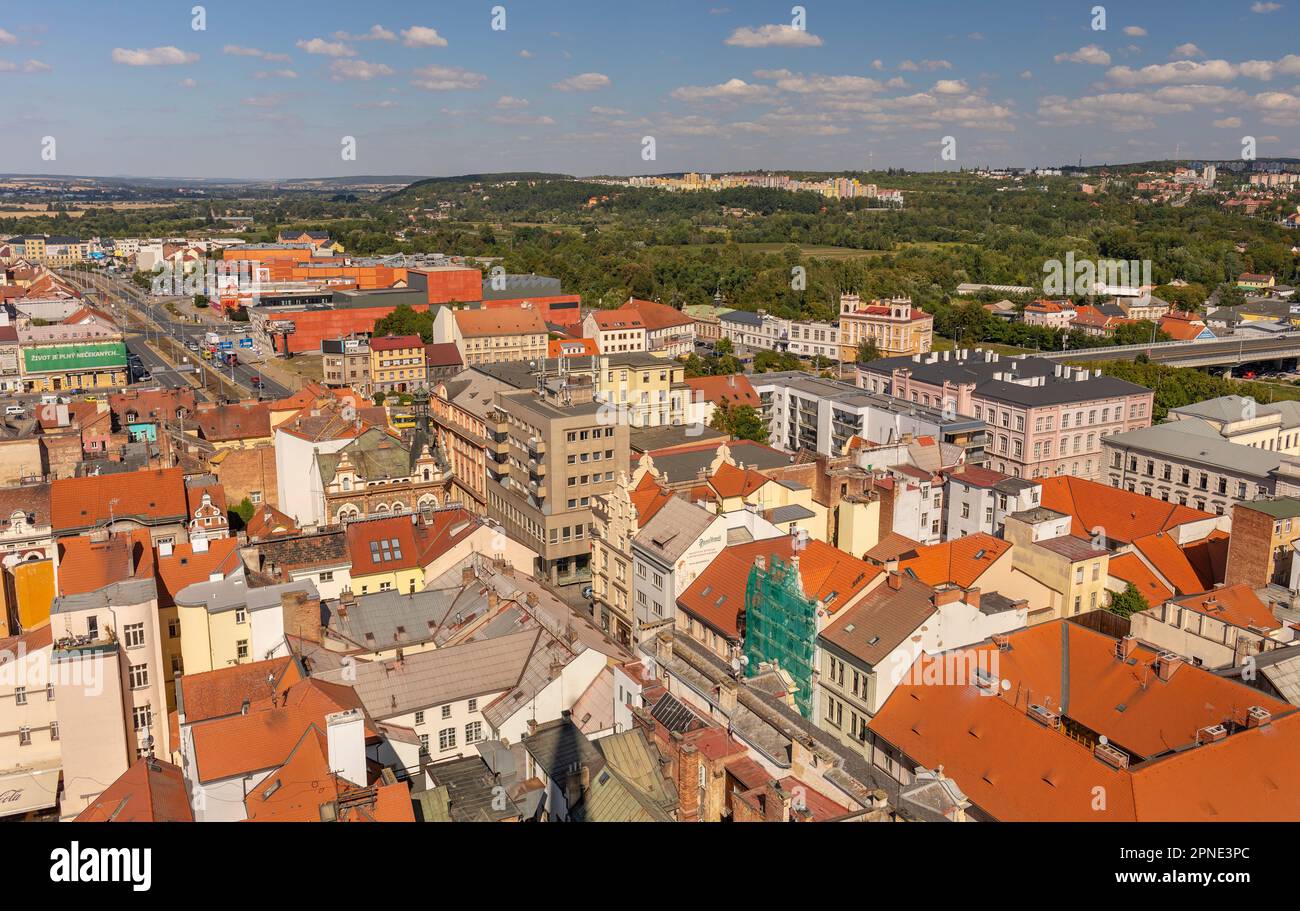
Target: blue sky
[(269, 89)]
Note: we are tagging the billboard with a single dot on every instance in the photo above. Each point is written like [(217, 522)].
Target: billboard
[(63, 358)]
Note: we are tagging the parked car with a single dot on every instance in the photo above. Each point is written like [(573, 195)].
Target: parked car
[(12, 410)]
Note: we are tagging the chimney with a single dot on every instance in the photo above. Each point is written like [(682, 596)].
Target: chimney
[(945, 594), (1166, 664), (532, 726), (727, 690), (576, 784), (466, 574), (346, 738), (664, 647), (1258, 716), (1124, 647), (300, 614), (895, 580), (973, 597), (493, 599)]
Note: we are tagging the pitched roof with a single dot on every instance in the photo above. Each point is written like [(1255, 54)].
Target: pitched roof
[(717, 596), (882, 620), (234, 421), (1016, 768), (154, 495), (648, 498), (304, 789), (1124, 516), (674, 527), (655, 315), (618, 319), (185, 566), (1129, 568), (960, 562), (1237, 605), (87, 565), (395, 342), (263, 738), (149, 791), (267, 521), (735, 389), (1163, 553), (730, 481), (442, 354), (500, 321)]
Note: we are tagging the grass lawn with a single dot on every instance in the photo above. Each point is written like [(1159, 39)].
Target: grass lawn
[(947, 344)]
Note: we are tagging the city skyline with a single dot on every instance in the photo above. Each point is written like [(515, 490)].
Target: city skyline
[(256, 93)]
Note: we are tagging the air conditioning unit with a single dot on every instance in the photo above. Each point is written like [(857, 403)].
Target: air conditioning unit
[(1258, 716), (1045, 716), (1115, 758)]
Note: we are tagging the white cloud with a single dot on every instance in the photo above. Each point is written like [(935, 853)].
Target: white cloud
[(326, 48), (422, 36), (7, 37), (262, 101), (30, 67), (1191, 71), (376, 33), (358, 69), (509, 101), (950, 87), (235, 50), (1265, 8), (526, 54), (878, 65), (188, 83), (377, 105), (731, 90), (1228, 123), (606, 112), (154, 56), (1200, 94), (277, 74), (1027, 74), (584, 82), (521, 119), (1186, 51), (1135, 31), (1089, 53), (773, 36), (446, 78)]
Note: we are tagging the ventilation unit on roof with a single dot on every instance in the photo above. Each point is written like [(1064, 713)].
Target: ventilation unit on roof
[(1113, 757), (1258, 716), (1045, 716)]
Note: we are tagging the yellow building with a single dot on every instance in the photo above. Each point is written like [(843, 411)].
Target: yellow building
[(26, 593), (896, 327), (647, 390), (50, 250), (492, 335), (397, 363), (1072, 570)]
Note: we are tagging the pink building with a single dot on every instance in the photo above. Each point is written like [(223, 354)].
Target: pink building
[(1044, 419)]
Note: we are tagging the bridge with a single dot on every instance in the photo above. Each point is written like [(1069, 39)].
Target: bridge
[(1220, 352)]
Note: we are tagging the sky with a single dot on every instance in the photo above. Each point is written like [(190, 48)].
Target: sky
[(274, 89)]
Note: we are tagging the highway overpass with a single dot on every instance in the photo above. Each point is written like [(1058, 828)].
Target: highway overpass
[(1224, 352)]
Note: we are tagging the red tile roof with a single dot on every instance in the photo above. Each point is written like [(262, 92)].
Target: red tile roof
[(184, 567), (1162, 553), (1237, 605), (264, 738), (960, 562), (717, 596), (149, 791), (1123, 516), (500, 321), (1130, 568), (155, 494), (618, 319), (655, 315), (222, 692), (442, 354), (1015, 768), (86, 565), (395, 342), (235, 421), (735, 389), (571, 347)]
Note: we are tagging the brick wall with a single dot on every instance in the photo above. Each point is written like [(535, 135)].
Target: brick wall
[(242, 471), (1249, 547)]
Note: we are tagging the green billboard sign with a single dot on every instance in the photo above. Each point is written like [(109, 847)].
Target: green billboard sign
[(64, 358)]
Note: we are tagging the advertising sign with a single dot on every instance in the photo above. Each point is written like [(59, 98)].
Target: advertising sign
[(65, 358)]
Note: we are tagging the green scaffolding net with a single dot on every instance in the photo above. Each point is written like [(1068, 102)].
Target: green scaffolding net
[(781, 626)]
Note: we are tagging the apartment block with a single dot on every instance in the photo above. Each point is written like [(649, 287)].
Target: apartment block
[(548, 459), (1045, 419)]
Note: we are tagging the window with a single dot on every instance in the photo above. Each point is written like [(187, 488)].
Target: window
[(173, 629), (138, 675), (419, 717), (54, 730), (474, 732), (241, 648), (424, 744), (24, 736), (447, 739), (20, 695), (241, 615), (133, 633), (141, 717), (446, 711), (473, 705), (49, 692)]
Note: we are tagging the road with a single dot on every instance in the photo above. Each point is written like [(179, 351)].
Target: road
[(113, 293)]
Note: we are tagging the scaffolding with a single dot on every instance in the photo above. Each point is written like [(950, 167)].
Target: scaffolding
[(781, 626)]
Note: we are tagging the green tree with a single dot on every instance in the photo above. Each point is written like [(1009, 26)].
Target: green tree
[(243, 512), (740, 421), (867, 351), (405, 321), (1128, 602)]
